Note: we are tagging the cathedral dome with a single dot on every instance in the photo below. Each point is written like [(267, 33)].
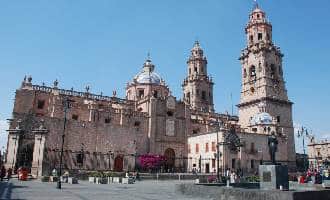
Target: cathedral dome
[(262, 118), (147, 75)]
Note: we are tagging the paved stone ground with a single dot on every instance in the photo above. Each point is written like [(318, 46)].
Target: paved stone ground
[(37, 190)]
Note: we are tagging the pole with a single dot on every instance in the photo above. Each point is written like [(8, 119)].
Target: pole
[(59, 186), (218, 159)]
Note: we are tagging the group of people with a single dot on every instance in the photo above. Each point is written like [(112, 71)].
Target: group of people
[(314, 176), (5, 173)]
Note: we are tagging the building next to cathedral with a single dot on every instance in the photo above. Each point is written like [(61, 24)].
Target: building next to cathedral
[(109, 133)]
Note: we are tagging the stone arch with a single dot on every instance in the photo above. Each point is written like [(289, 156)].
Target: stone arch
[(170, 159), (119, 163)]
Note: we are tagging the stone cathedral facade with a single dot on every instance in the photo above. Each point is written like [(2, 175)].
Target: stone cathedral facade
[(109, 133)]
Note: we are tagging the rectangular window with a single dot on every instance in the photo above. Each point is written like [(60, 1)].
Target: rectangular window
[(214, 148), (75, 117), (233, 163), (206, 147), (278, 118), (203, 95), (213, 163), (189, 148), (141, 93), (252, 148), (107, 120), (41, 104), (259, 36), (252, 164), (197, 148)]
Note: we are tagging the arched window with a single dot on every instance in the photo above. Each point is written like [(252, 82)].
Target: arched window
[(251, 38), (259, 36), (280, 71), (253, 74), (272, 71)]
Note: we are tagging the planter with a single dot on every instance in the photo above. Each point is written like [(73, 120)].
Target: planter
[(91, 179), (101, 180), (127, 180), (45, 179), (53, 179), (64, 179), (117, 180), (110, 180), (72, 180)]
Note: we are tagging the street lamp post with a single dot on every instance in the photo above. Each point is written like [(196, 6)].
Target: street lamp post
[(302, 133), (66, 107)]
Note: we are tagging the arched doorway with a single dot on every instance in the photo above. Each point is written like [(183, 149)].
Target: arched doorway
[(170, 159), (119, 163)]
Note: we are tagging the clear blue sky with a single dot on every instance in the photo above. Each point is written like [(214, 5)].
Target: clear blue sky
[(103, 43)]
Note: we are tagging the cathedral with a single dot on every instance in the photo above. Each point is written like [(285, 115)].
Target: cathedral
[(109, 133)]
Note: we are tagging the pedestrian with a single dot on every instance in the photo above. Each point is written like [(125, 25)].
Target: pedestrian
[(9, 173), (2, 173)]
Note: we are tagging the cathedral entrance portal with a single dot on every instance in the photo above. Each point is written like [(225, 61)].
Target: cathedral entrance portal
[(119, 163), (170, 159), (25, 154)]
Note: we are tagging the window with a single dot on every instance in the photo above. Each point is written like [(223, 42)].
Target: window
[(107, 120), (258, 16), (233, 163), (213, 147), (195, 131), (189, 148), (213, 163), (75, 117), (169, 113), (137, 123), (280, 71), (141, 93), (189, 71), (268, 36), (155, 93), (252, 148), (80, 158), (195, 69), (278, 119), (254, 129), (244, 73), (197, 148), (253, 74), (272, 71), (259, 36), (206, 147), (203, 95), (251, 38), (41, 104), (252, 164)]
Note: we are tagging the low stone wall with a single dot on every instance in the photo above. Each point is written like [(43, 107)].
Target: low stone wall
[(224, 193)]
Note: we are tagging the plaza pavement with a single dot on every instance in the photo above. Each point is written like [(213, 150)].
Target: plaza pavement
[(37, 190)]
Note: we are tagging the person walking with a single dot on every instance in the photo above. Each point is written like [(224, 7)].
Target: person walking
[(9, 173), (2, 173)]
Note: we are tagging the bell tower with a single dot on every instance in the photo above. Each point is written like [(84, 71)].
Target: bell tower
[(263, 83), (198, 86)]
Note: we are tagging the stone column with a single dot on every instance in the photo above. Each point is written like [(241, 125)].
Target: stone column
[(38, 151), (13, 142)]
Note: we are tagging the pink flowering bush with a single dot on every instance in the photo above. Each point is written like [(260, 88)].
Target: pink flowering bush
[(151, 162)]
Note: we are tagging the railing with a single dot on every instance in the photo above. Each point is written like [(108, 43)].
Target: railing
[(80, 94)]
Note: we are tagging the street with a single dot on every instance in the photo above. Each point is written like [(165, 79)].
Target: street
[(37, 190)]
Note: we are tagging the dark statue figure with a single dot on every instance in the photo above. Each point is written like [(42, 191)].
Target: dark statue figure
[(272, 145)]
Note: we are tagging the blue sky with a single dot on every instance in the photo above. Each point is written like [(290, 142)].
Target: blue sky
[(104, 44)]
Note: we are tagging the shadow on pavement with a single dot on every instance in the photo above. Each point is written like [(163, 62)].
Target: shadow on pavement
[(6, 189)]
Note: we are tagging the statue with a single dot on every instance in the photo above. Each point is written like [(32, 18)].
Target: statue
[(272, 145)]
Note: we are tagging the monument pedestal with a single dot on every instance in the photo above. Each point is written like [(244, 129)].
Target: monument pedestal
[(273, 177)]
